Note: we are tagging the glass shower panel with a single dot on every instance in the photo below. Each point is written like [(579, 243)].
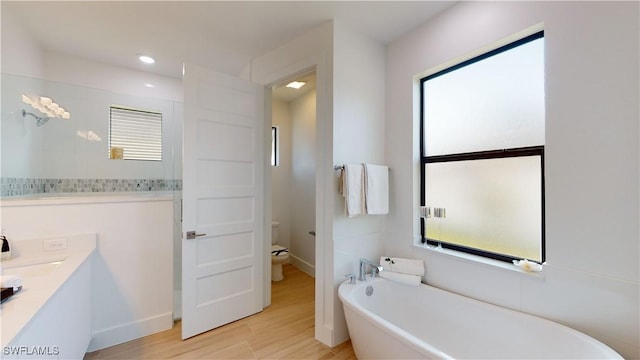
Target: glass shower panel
[(71, 155)]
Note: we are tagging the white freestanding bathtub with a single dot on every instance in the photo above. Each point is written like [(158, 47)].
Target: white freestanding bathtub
[(407, 322)]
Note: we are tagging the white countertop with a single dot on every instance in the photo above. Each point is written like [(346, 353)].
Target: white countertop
[(85, 198), (39, 284)]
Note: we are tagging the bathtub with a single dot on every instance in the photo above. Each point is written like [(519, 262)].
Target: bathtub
[(406, 322)]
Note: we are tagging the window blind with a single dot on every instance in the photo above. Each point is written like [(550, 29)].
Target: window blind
[(137, 132)]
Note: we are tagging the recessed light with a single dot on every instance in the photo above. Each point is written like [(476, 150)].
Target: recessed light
[(296, 84), (149, 85), (146, 59)]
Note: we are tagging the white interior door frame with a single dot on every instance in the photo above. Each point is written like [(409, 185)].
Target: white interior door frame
[(324, 280)]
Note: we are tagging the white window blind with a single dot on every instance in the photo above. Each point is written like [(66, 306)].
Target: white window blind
[(137, 132)]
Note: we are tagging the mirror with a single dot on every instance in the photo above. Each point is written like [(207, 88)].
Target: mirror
[(65, 156)]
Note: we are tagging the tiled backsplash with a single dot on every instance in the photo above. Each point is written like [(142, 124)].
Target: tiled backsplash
[(30, 186)]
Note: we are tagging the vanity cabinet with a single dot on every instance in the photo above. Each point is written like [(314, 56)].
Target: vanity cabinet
[(61, 328)]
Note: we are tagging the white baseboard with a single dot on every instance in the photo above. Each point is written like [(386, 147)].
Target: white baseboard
[(324, 334), (303, 265), (120, 334)]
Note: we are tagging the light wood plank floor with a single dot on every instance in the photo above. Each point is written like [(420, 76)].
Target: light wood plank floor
[(283, 330)]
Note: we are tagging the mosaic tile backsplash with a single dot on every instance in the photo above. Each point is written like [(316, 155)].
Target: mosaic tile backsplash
[(30, 186)]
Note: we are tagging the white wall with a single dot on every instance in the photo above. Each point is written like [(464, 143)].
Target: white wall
[(358, 137), (281, 174), (590, 279), (303, 184), (350, 101), (293, 181), (312, 50), (21, 54), (92, 74), (132, 287), (350, 128)]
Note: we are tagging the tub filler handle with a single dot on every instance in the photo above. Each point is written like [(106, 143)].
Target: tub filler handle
[(351, 277), (375, 269)]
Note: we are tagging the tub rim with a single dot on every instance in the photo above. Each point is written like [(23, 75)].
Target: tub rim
[(346, 293)]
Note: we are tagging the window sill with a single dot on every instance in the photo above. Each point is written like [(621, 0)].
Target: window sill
[(479, 260)]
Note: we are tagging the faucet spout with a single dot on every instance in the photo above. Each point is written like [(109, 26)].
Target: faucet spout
[(6, 250), (375, 269)]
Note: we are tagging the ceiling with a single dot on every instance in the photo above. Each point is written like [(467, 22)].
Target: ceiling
[(221, 35)]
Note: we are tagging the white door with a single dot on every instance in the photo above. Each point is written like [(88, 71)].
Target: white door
[(223, 198)]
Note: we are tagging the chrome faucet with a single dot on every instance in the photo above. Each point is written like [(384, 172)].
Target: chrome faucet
[(6, 250), (375, 269)]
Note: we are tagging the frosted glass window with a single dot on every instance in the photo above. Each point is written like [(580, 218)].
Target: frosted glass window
[(482, 147), (494, 103), (499, 214), (136, 133)]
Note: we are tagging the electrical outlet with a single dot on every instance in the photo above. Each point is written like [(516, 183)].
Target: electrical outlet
[(55, 244)]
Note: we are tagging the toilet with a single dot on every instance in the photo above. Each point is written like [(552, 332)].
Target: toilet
[(279, 254)]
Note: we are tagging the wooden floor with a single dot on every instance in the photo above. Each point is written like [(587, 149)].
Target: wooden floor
[(283, 330)]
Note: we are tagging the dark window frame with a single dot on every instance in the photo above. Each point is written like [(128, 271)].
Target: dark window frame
[(478, 155), (274, 145)]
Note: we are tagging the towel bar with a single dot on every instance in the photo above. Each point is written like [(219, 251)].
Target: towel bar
[(341, 167)]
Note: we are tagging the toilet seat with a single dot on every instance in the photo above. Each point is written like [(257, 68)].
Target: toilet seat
[(279, 252), (277, 261)]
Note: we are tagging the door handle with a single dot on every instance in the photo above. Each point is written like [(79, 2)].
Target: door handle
[(192, 235), (312, 232)]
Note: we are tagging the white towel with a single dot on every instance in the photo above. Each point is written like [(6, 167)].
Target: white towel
[(353, 189), (402, 265), (376, 186), (413, 280)]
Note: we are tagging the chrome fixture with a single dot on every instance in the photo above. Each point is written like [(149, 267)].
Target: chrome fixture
[(351, 277), (375, 269), (44, 105), (40, 120), (428, 212), (6, 250)]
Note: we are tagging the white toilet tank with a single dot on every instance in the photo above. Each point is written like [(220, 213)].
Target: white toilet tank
[(274, 232)]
